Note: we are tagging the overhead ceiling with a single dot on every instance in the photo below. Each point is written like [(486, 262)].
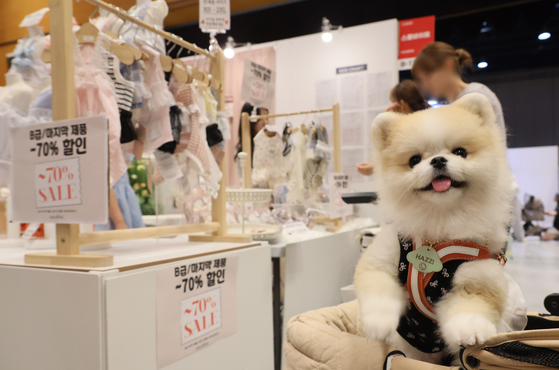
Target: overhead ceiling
[(508, 40)]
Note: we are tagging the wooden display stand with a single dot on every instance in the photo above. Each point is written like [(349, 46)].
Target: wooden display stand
[(68, 236), (247, 148)]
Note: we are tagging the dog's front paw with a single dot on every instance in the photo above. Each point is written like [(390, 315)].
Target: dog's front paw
[(467, 329), (380, 317)]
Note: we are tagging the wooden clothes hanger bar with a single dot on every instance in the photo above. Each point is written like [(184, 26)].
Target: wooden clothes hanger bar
[(291, 114), (132, 19)]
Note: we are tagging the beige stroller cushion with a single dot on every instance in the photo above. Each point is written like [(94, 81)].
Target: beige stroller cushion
[(330, 339)]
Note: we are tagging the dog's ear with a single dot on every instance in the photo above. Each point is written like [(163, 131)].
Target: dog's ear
[(479, 105), (382, 127)]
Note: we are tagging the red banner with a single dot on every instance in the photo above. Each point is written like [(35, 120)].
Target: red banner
[(415, 33)]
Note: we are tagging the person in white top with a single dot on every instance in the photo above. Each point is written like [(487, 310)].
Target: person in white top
[(438, 69)]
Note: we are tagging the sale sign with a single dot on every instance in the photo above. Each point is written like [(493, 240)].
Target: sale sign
[(339, 184), (196, 306), (258, 86), (215, 15), (60, 172), (415, 34)]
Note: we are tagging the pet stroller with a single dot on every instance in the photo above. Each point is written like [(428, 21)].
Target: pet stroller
[(533, 211), (331, 339)]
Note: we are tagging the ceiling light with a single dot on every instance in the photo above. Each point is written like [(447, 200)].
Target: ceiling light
[(482, 65), (544, 36), (327, 30), (229, 51), (432, 102)]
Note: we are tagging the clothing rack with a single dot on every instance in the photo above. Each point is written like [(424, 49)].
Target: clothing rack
[(68, 236), (247, 147)]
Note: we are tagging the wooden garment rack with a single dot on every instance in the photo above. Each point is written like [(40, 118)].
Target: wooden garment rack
[(68, 236), (247, 147)]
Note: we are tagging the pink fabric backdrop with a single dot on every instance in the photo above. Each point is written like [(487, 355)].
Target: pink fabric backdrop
[(233, 81)]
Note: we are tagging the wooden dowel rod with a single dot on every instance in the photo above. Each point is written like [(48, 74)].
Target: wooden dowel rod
[(123, 14), (291, 114), (101, 237), (219, 205)]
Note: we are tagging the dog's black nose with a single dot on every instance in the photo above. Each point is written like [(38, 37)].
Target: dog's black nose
[(439, 162)]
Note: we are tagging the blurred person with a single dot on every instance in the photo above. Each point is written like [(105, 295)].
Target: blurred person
[(553, 232), (406, 98), (255, 126), (439, 68)]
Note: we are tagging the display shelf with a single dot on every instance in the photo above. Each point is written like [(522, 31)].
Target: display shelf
[(106, 318), (133, 254)]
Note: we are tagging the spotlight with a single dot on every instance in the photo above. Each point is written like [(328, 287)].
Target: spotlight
[(229, 51), (432, 102), (544, 36), (482, 65), (327, 30)]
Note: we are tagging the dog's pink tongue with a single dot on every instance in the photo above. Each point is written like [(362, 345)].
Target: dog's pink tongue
[(441, 184)]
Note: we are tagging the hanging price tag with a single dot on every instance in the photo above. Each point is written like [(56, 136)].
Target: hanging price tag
[(33, 19), (215, 15)]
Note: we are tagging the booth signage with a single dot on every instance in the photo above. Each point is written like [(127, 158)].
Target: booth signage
[(60, 172), (351, 69), (196, 306), (215, 15), (339, 184), (258, 86), (415, 34)]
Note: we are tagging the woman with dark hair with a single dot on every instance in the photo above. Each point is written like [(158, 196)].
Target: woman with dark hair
[(255, 126), (439, 68), (406, 98)]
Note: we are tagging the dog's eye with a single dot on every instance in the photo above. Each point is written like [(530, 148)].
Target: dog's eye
[(460, 152), (415, 160)]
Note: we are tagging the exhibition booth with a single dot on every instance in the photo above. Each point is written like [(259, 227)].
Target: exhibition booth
[(229, 232)]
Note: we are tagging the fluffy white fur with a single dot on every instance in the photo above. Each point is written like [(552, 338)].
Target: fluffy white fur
[(478, 211)]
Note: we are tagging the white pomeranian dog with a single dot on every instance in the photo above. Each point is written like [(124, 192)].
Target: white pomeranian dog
[(433, 280)]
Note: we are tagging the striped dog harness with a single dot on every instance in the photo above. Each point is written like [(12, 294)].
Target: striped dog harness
[(418, 326)]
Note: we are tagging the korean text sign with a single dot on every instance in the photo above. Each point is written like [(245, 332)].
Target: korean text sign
[(215, 15), (196, 306), (60, 172), (339, 184), (415, 34), (258, 86)]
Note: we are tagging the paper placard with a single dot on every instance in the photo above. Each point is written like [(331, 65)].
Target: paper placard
[(295, 228), (215, 15), (196, 306), (60, 172), (339, 184), (33, 19), (258, 86)]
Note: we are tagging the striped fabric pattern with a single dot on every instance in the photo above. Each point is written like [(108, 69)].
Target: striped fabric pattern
[(124, 89), (195, 142)]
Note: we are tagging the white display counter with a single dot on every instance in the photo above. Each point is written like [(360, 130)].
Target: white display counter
[(65, 318), (316, 268)]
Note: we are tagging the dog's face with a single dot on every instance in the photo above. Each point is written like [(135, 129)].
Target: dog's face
[(439, 158)]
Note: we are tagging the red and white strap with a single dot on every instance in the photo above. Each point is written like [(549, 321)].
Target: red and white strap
[(447, 251)]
